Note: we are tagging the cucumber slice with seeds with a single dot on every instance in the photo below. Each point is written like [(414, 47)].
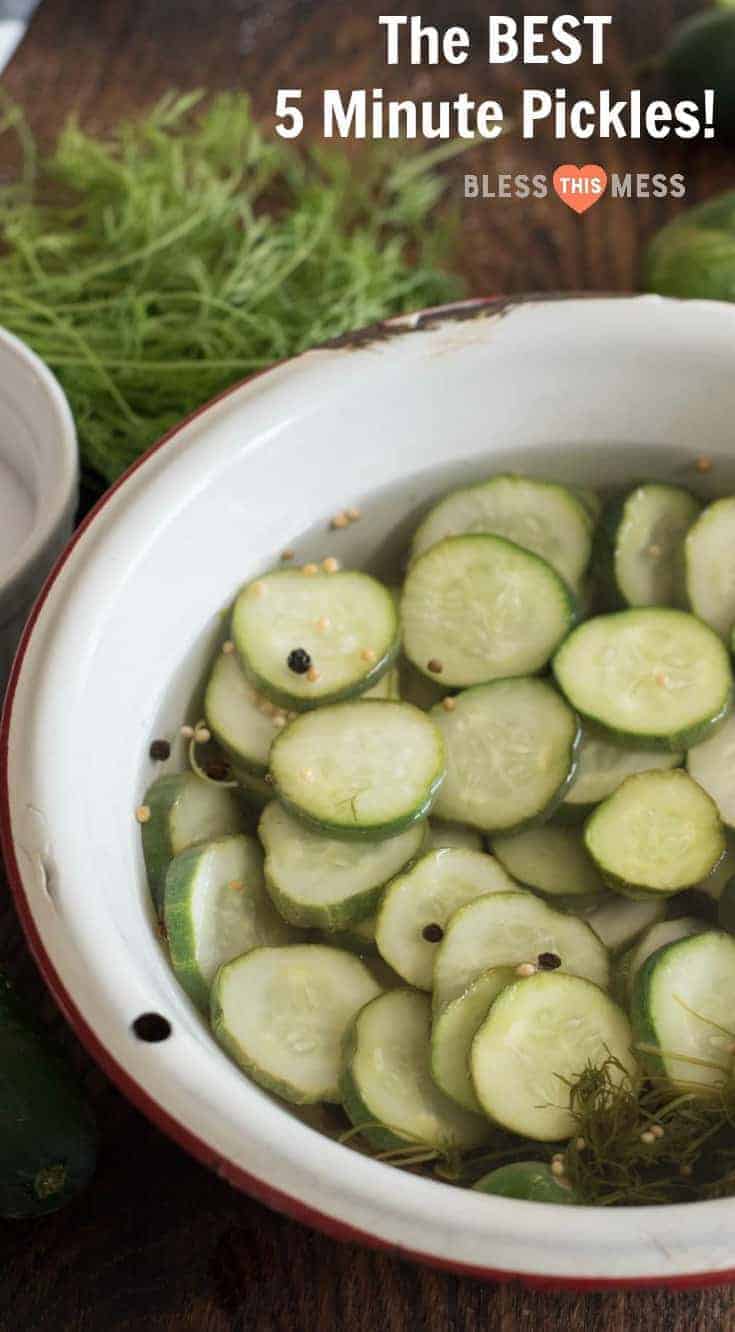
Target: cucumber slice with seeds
[(710, 579), (619, 921), (531, 1181), (478, 608), (184, 810), (387, 1087), (453, 1031), (658, 834), (327, 882), (553, 860), (658, 936), (603, 764), (541, 516), (653, 676), (418, 904), (683, 1006), (345, 623), (538, 1037), (282, 1015), (240, 719), (646, 531), (365, 769), (453, 834), (511, 754), (506, 930), (712, 765), (216, 908)]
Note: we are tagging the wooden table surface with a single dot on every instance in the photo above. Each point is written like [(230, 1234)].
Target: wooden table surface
[(158, 1242)]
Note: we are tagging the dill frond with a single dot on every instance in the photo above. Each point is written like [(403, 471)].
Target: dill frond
[(155, 267)]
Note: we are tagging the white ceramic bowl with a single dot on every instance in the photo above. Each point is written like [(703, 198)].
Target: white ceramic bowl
[(590, 390), (38, 484)]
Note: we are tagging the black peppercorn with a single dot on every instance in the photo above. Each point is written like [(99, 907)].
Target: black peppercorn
[(433, 933), (299, 661), (549, 961), (160, 750)]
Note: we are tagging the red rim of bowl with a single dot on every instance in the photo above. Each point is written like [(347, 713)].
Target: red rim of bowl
[(284, 1203)]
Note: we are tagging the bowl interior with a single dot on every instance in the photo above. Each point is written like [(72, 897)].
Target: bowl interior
[(595, 392)]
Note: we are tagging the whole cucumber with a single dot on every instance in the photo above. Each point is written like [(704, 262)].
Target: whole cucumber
[(701, 54), (48, 1138)]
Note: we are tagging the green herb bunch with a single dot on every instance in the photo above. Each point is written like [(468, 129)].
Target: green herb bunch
[(153, 268)]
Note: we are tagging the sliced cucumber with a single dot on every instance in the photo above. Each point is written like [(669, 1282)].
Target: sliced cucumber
[(183, 810), (453, 834), (653, 676), (538, 1037), (327, 882), (712, 765), (658, 936), (388, 1091), (241, 720), (683, 1011), (553, 860), (603, 764), (282, 1014), (710, 579), (418, 904), (216, 908), (619, 921), (478, 608), (453, 1031), (344, 623), (543, 517), (509, 929), (531, 1181), (511, 754), (659, 833), (646, 530), (366, 769)]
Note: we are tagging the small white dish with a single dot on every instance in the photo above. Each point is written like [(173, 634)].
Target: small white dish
[(594, 391), (38, 484)]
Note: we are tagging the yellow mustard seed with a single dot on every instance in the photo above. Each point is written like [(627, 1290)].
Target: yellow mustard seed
[(704, 464), (330, 565), (368, 654), (143, 813), (353, 514), (526, 969), (309, 569), (340, 520), (187, 732), (313, 675), (448, 704)]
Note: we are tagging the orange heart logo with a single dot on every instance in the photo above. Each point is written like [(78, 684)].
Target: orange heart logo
[(580, 187)]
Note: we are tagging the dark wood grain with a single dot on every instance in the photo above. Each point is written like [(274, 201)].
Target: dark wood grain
[(158, 1242)]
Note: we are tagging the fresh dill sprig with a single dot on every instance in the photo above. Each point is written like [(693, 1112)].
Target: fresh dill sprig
[(653, 1144), (155, 267)]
